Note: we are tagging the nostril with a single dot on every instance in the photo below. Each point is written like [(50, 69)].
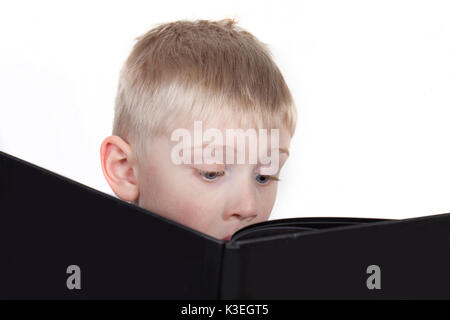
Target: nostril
[(243, 217), (237, 216)]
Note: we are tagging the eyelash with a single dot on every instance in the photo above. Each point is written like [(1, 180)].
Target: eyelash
[(203, 173), (222, 173)]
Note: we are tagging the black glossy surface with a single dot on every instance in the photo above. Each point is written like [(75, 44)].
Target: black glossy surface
[(48, 222)]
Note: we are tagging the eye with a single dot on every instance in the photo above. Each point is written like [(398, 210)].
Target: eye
[(263, 179), (211, 175)]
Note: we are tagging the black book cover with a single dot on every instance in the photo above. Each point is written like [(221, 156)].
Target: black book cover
[(49, 223)]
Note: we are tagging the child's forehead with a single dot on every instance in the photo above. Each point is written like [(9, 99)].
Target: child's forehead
[(202, 132)]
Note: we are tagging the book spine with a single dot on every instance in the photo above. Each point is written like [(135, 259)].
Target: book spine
[(230, 275)]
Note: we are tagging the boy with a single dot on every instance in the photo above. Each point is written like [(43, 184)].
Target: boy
[(200, 79)]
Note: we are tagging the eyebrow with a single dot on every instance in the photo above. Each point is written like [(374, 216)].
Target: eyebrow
[(282, 150)]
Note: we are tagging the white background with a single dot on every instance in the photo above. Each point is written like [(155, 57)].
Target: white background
[(371, 80)]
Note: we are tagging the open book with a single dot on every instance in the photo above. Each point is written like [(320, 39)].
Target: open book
[(61, 239), (295, 226)]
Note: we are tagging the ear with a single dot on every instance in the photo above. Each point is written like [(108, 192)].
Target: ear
[(119, 167)]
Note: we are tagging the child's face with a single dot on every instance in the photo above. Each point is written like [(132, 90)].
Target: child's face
[(216, 199)]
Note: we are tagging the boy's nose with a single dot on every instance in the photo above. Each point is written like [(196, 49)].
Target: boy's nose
[(243, 204)]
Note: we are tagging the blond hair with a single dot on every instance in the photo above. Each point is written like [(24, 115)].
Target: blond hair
[(199, 70)]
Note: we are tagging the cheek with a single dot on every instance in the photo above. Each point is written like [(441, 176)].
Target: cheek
[(267, 201), (184, 204), (174, 193), (198, 212)]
